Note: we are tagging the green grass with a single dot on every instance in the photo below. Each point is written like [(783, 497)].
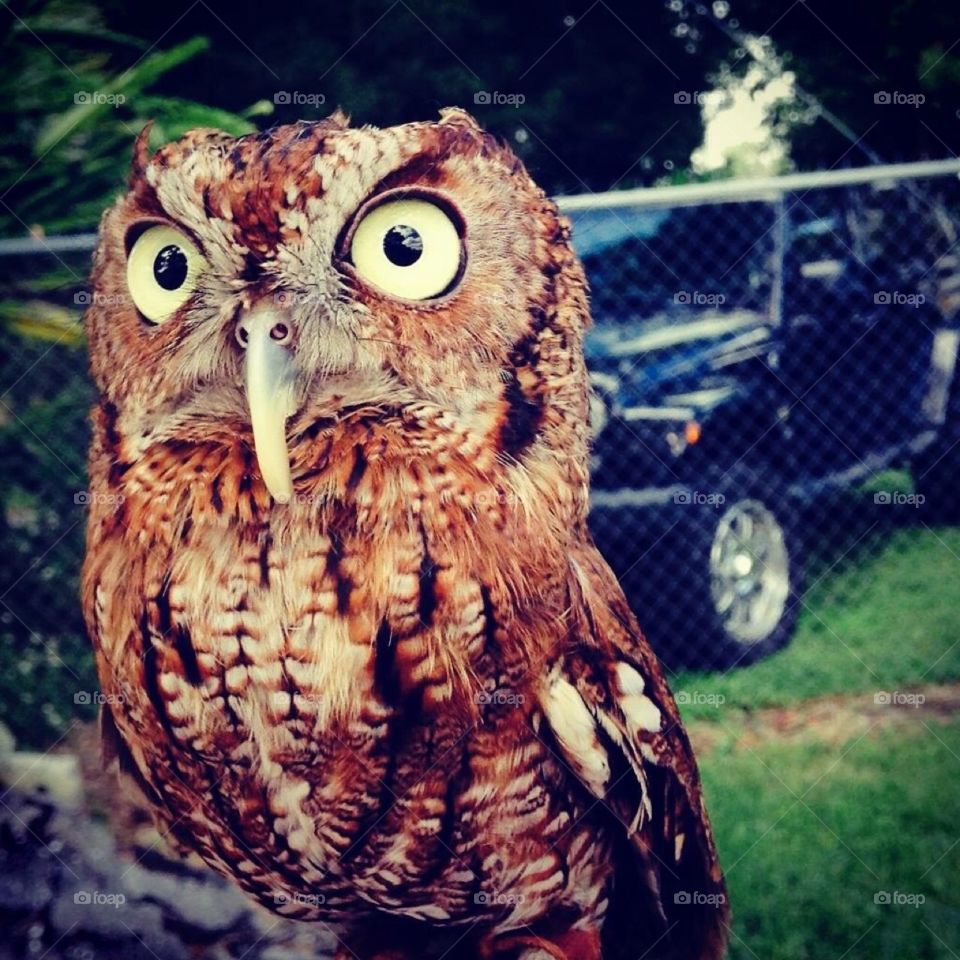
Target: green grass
[(809, 835), (884, 615), (810, 832)]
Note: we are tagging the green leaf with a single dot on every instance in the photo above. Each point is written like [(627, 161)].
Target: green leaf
[(52, 26), (106, 98), (43, 321), (178, 116)]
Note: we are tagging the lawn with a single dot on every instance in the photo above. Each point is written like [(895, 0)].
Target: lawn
[(816, 826), (880, 619), (812, 837)]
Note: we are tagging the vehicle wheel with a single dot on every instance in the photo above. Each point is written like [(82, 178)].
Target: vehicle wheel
[(744, 569), (936, 476)]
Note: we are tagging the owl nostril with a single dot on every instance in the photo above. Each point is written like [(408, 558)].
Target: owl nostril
[(257, 323)]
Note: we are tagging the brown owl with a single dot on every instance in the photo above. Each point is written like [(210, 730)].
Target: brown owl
[(366, 659)]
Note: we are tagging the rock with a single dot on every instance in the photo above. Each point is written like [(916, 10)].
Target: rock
[(26, 885), (107, 915), (66, 894), (7, 743), (28, 869), (206, 907), (278, 952), (54, 775)]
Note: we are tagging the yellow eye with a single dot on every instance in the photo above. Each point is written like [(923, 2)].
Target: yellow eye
[(162, 271), (407, 248)]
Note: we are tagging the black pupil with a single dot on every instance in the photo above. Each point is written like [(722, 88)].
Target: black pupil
[(402, 245), (170, 267)]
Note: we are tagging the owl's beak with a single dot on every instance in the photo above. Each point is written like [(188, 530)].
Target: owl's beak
[(268, 375)]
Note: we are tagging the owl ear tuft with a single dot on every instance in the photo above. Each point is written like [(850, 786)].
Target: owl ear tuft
[(141, 155), (459, 117), (339, 120)]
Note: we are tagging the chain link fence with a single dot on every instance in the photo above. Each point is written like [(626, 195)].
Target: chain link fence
[(773, 364), (774, 408)]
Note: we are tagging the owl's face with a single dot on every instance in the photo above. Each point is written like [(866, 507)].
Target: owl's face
[(250, 287)]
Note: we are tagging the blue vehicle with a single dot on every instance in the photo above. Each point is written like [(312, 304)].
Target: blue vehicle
[(753, 346)]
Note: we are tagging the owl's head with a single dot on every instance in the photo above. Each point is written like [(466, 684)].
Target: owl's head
[(248, 289)]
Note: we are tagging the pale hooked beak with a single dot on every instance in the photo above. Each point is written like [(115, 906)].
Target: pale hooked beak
[(268, 375)]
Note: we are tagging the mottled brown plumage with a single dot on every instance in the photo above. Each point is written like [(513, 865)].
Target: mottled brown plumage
[(412, 701)]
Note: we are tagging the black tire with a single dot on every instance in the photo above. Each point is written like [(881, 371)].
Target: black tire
[(728, 622), (936, 477)]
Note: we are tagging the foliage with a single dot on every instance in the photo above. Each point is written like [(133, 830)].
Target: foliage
[(593, 85), (44, 659), (73, 95), (852, 59)]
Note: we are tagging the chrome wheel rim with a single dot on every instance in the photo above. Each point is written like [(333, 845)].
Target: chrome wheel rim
[(749, 572)]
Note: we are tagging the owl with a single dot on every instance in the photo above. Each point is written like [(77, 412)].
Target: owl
[(359, 650)]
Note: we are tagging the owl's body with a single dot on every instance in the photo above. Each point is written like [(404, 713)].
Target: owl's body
[(410, 701)]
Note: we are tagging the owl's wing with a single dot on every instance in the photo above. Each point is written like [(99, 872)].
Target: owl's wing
[(616, 725)]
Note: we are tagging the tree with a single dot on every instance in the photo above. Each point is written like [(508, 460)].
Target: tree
[(886, 70)]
